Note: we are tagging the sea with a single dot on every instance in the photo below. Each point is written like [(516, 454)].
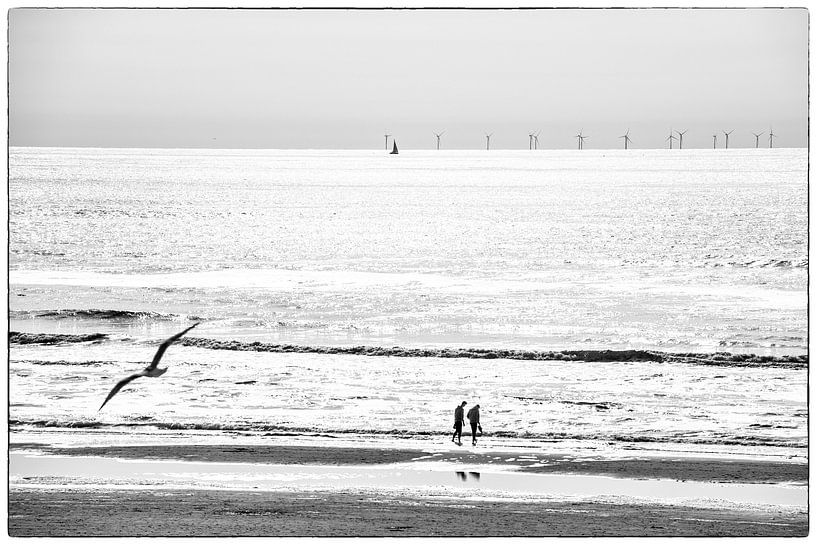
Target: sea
[(640, 298)]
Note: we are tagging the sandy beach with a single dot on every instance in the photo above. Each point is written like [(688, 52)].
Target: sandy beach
[(278, 487), (217, 513)]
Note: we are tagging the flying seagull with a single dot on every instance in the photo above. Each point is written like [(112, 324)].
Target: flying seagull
[(151, 370)]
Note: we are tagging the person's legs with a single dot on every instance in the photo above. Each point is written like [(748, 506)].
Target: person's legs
[(474, 434)]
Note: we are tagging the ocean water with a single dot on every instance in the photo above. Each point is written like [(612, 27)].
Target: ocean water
[(479, 265)]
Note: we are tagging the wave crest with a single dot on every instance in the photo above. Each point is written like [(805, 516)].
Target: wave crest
[(726, 359), (54, 338), (717, 358), (93, 314)]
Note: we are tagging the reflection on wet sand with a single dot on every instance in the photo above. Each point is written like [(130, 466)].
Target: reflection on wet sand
[(32, 470), (463, 477)]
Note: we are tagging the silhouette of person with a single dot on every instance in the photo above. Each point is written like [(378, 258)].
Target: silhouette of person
[(473, 418), (459, 420)]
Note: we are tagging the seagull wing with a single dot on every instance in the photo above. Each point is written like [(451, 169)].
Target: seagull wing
[(119, 385), (165, 345)]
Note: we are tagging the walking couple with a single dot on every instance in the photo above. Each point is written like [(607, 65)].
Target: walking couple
[(459, 421)]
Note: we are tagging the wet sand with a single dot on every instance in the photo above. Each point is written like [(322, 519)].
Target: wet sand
[(686, 468), (62, 509)]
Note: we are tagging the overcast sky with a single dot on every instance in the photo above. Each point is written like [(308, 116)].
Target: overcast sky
[(340, 78)]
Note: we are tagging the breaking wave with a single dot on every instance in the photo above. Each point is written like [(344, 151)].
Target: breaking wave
[(272, 429), (92, 314), (89, 363), (786, 263), (725, 359), (54, 338), (716, 358)]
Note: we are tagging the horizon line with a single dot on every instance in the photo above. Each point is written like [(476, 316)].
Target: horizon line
[(434, 149)]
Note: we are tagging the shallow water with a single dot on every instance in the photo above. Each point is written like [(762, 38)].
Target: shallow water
[(233, 390)]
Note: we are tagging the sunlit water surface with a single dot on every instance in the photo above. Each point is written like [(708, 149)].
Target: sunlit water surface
[(668, 250)]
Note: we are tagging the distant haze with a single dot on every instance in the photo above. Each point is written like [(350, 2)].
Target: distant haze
[(340, 78)]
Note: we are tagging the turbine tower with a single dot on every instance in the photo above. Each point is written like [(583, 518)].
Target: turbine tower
[(671, 138), (714, 141), (488, 141), (438, 138), (771, 137), (757, 139), (626, 137), (727, 137), (530, 140), (581, 139), (387, 141), (536, 140), (681, 138)]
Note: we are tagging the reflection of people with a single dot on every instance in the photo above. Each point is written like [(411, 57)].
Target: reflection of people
[(459, 420), (473, 418)]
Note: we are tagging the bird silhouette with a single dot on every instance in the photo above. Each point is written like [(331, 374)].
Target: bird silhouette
[(151, 370)]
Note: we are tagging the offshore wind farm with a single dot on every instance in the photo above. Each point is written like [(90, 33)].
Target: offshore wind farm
[(533, 139)]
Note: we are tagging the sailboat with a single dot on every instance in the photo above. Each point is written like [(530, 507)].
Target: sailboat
[(394, 150)]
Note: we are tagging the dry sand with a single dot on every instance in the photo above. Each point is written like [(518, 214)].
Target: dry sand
[(236, 513)]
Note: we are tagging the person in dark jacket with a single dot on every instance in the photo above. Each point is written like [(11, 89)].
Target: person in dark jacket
[(459, 420), (473, 418)]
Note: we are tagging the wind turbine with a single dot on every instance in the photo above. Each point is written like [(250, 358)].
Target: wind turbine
[(727, 137), (671, 138), (681, 138), (714, 141), (387, 141), (438, 138), (757, 138), (530, 140), (536, 140), (581, 139), (488, 141), (626, 137), (771, 137)]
